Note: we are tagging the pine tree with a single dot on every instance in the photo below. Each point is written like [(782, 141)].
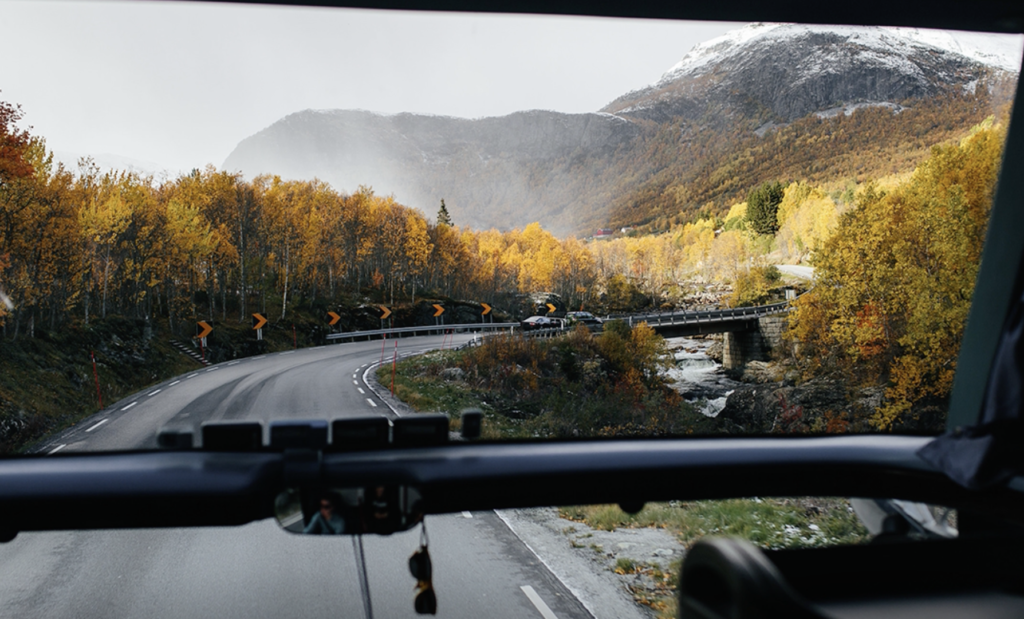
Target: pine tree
[(763, 208), (443, 218)]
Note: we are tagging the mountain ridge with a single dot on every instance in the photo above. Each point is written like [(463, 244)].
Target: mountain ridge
[(575, 172)]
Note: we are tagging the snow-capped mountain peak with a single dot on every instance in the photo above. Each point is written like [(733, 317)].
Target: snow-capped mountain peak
[(996, 50)]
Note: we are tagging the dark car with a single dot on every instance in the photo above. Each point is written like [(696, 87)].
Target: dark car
[(586, 319)]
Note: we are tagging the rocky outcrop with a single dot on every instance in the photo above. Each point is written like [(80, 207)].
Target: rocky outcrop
[(808, 407)]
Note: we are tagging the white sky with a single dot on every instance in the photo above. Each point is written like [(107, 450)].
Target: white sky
[(180, 84)]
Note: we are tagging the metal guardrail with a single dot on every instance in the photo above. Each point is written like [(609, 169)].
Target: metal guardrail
[(462, 328), (653, 319)]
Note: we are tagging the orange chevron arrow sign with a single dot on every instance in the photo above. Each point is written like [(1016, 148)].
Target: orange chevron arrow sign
[(487, 309), (386, 313), (334, 318), (551, 308), (203, 329), (258, 322), (440, 310)]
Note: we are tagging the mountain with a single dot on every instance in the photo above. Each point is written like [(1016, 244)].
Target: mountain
[(489, 171), (762, 102), (782, 72)]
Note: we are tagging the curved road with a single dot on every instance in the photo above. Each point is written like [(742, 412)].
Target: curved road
[(481, 569)]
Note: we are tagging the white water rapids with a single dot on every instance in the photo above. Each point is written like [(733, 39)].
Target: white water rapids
[(697, 377)]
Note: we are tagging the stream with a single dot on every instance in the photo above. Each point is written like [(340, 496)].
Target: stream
[(697, 377)]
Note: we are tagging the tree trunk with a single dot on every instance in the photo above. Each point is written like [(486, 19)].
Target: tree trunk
[(106, 271), (284, 297)]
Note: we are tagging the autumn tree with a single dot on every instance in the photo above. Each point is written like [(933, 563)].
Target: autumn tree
[(894, 282), (13, 142)]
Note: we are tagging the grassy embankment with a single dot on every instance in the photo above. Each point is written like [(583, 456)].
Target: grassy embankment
[(576, 386), (767, 523)]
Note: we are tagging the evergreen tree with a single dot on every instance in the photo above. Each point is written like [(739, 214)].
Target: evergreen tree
[(763, 208), (443, 218)]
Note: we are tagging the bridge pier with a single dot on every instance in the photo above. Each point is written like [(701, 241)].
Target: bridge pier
[(755, 343)]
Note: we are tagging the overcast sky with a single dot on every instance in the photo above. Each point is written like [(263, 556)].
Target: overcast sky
[(180, 84)]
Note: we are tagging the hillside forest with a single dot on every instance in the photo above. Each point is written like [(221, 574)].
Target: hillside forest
[(888, 308)]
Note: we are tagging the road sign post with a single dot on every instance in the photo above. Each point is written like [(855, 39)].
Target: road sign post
[(487, 312), (202, 330), (258, 322), (438, 318), (96, 375)]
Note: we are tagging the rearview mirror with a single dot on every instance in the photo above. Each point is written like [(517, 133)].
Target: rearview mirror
[(348, 511)]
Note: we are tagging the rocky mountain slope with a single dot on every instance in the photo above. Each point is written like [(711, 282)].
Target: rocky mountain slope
[(575, 172)]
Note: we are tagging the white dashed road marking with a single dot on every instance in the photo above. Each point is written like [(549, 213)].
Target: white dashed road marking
[(155, 392), (97, 425), (355, 382), (361, 390), (212, 369), (129, 406), (233, 363), (371, 402), (174, 383), (539, 603), (56, 449), (467, 515), (192, 375)]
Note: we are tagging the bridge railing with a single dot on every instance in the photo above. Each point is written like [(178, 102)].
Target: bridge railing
[(676, 317), (461, 328)]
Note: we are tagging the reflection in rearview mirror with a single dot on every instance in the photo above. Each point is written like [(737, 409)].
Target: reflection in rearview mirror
[(348, 511)]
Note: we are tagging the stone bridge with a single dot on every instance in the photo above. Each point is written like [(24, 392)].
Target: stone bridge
[(751, 333)]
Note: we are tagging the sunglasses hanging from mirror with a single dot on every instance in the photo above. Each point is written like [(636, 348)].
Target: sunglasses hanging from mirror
[(419, 564)]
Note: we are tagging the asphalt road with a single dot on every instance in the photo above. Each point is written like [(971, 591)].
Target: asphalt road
[(797, 271), (481, 569)]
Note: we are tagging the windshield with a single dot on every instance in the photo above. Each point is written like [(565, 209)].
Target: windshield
[(411, 229), (220, 213)]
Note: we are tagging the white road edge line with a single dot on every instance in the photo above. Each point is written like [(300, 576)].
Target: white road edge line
[(374, 391), (155, 392), (97, 425), (579, 596), (56, 449), (467, 515), (129, 406), (371, 402), (539, 603), (174, 383)]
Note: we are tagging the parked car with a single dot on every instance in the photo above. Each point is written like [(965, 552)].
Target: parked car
[(540, 322), (586, 319)]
